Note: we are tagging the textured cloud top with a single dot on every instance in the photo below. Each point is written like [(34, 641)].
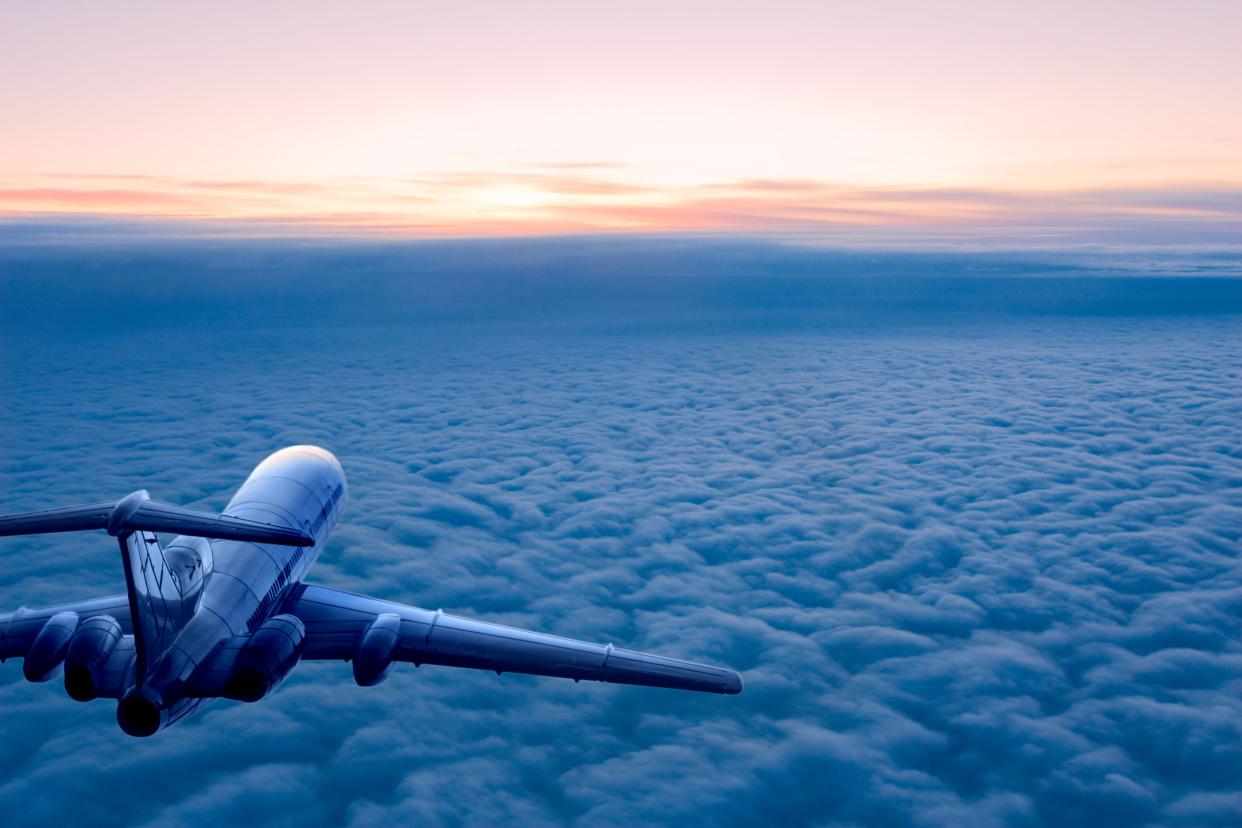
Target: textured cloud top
[(975, 570)]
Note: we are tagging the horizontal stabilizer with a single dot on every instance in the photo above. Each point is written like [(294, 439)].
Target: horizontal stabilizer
[(137, 512)]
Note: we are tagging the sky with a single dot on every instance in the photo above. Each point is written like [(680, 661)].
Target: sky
[(967, 524), (1015, 123), (884, 352)]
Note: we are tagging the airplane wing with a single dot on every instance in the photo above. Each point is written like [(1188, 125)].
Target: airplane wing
[(18, 629), (336, 623)]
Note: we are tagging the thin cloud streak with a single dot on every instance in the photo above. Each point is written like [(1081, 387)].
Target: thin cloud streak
[(600, 198)]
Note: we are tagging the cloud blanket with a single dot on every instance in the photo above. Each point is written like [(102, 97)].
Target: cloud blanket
[(975, 570)]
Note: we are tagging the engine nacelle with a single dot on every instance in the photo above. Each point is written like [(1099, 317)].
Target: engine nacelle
[(89, 650), (270, 654), (373, 658), (141, 713), (47, 652)]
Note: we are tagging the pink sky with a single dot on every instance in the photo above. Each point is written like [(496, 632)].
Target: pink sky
[(478, 118)]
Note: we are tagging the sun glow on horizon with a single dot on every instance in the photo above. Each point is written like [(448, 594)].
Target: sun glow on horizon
[(490, 119)]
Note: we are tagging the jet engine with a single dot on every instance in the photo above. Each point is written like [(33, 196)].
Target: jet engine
[(373, 658), (270, 654), (89, 650), (47, 651)]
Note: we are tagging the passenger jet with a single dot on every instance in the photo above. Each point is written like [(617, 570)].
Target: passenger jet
[(223, 612)]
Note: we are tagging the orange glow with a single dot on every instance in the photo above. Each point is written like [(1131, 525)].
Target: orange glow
[(533, 203), (478, 118)]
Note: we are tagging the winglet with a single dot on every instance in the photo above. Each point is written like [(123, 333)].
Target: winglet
[(137, 512)]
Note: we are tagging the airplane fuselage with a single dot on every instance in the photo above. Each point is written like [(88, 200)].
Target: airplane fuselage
[(302, 487)]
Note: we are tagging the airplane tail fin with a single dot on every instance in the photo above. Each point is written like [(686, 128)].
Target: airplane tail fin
[(157, 603), (158, 600)]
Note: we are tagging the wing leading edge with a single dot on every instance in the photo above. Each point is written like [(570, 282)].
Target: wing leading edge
[(336, 622)]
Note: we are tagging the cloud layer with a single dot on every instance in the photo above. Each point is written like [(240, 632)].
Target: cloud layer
[(975, 570)]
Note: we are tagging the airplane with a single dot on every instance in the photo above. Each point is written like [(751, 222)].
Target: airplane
[(223, 611)]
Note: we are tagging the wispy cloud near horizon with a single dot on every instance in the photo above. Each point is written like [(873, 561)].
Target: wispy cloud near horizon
[(569, 199)]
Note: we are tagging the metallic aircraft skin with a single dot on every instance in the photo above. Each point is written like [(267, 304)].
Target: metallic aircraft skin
[(205, 618), (302, 487)]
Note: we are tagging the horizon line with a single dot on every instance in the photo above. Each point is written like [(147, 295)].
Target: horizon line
[(592, 201)]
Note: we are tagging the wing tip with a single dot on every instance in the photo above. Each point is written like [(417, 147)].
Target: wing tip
[(733, 683), (300, 539)]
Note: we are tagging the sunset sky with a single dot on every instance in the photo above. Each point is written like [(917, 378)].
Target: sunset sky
[(988, 120), (883, 351)]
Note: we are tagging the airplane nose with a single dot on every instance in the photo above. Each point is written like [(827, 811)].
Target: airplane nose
[(141, 713)]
